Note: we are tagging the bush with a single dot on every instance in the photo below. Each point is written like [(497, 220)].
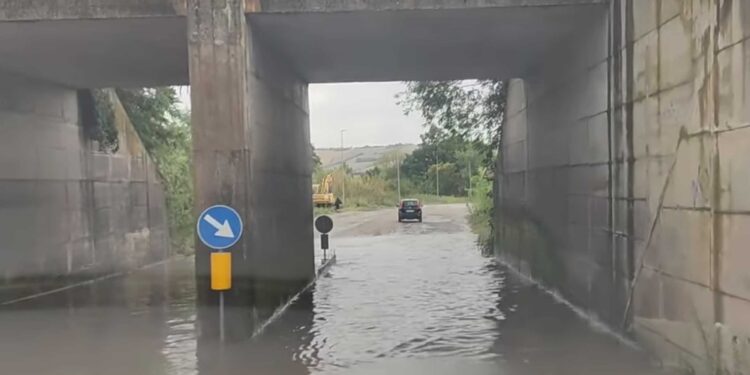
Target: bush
[(369, 192), (173, 162), (481, 208), (164, 129)]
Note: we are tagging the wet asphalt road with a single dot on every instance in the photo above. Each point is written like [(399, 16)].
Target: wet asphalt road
[(405, 298)]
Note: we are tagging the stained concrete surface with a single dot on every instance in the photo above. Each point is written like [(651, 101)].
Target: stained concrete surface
[(437, 44), (35, 10), (414, 41), (127, 52), (596, 154), (68, 211), (257, 107), (331, 6), (675, 65)]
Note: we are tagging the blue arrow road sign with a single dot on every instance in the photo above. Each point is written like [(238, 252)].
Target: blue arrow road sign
[(219, 227)]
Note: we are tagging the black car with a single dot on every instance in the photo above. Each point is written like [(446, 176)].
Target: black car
[(409, 209)]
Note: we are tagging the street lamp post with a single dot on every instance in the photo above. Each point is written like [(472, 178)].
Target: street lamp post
[(343, 168), (469, 178), (398, 174), (437, 172)]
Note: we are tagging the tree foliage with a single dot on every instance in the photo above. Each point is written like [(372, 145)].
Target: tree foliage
[(164, 129), (481, 208), (470, 110), (155, 112), (458, 158), (316, 159), (448, 177), (459, 112), (98, 119)]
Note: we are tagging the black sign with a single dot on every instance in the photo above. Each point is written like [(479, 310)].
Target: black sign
[(323, 224)]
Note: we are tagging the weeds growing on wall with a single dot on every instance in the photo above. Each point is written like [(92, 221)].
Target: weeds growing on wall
[(173, 160), (164, 129), (102, 126), (480, 211)]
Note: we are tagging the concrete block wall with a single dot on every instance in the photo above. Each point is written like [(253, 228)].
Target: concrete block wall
[(67, 211), (614, 136), (690, 119), (554, 189)]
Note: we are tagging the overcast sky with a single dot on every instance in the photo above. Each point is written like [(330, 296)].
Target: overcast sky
[(368, 112)]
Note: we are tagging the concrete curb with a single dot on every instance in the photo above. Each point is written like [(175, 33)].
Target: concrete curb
[(323, 269), (91, 281)]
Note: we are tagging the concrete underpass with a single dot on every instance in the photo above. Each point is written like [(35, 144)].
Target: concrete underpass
[(621, 181)]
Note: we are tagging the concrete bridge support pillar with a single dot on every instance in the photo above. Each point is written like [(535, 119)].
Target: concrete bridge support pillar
[(251, 152)]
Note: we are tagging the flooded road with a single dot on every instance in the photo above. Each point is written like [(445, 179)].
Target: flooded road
[(405, 298)]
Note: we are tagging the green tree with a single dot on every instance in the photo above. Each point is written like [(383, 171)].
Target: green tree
[(173, 160), (481, 209), (465, 157), (427, 154), (164, 129), (469, 161), (472, 111), (448, 177), (154, 112), (316, 160), (387, 167), (317, 163)]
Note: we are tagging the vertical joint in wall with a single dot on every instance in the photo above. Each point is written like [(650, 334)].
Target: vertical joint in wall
[(716, 219), (613, 90)]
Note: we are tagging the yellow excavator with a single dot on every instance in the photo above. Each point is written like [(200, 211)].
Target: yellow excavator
[(323, 193)]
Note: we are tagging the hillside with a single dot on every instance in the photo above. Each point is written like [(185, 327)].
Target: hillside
[(360, 159)]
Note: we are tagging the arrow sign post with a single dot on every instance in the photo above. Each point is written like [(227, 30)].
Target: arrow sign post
[(219, 227)]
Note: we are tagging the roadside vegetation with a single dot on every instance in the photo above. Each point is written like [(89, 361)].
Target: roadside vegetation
[(164, 130), (422, 175), (454, 162), (481, 211)]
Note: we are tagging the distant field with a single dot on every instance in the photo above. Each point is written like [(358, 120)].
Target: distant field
[(359, 159)]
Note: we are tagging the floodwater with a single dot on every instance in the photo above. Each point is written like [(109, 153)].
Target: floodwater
[(412, 298)]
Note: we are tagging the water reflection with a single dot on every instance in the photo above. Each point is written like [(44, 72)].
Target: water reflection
[(116, 326), (419, 299), (422, 300), (275, 353)]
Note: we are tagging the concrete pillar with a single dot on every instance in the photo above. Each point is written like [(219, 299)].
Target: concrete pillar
[(251, 151), (281, 231), (221, 137)]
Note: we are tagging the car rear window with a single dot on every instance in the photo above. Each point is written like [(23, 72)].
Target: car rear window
[(410, 204)]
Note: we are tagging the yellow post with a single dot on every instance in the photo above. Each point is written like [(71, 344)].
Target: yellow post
[(221, 271)]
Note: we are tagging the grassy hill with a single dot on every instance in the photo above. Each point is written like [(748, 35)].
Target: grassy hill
[(360, 159)]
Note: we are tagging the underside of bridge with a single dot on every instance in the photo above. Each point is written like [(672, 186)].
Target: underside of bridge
[(622, 166), (251, 139)]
